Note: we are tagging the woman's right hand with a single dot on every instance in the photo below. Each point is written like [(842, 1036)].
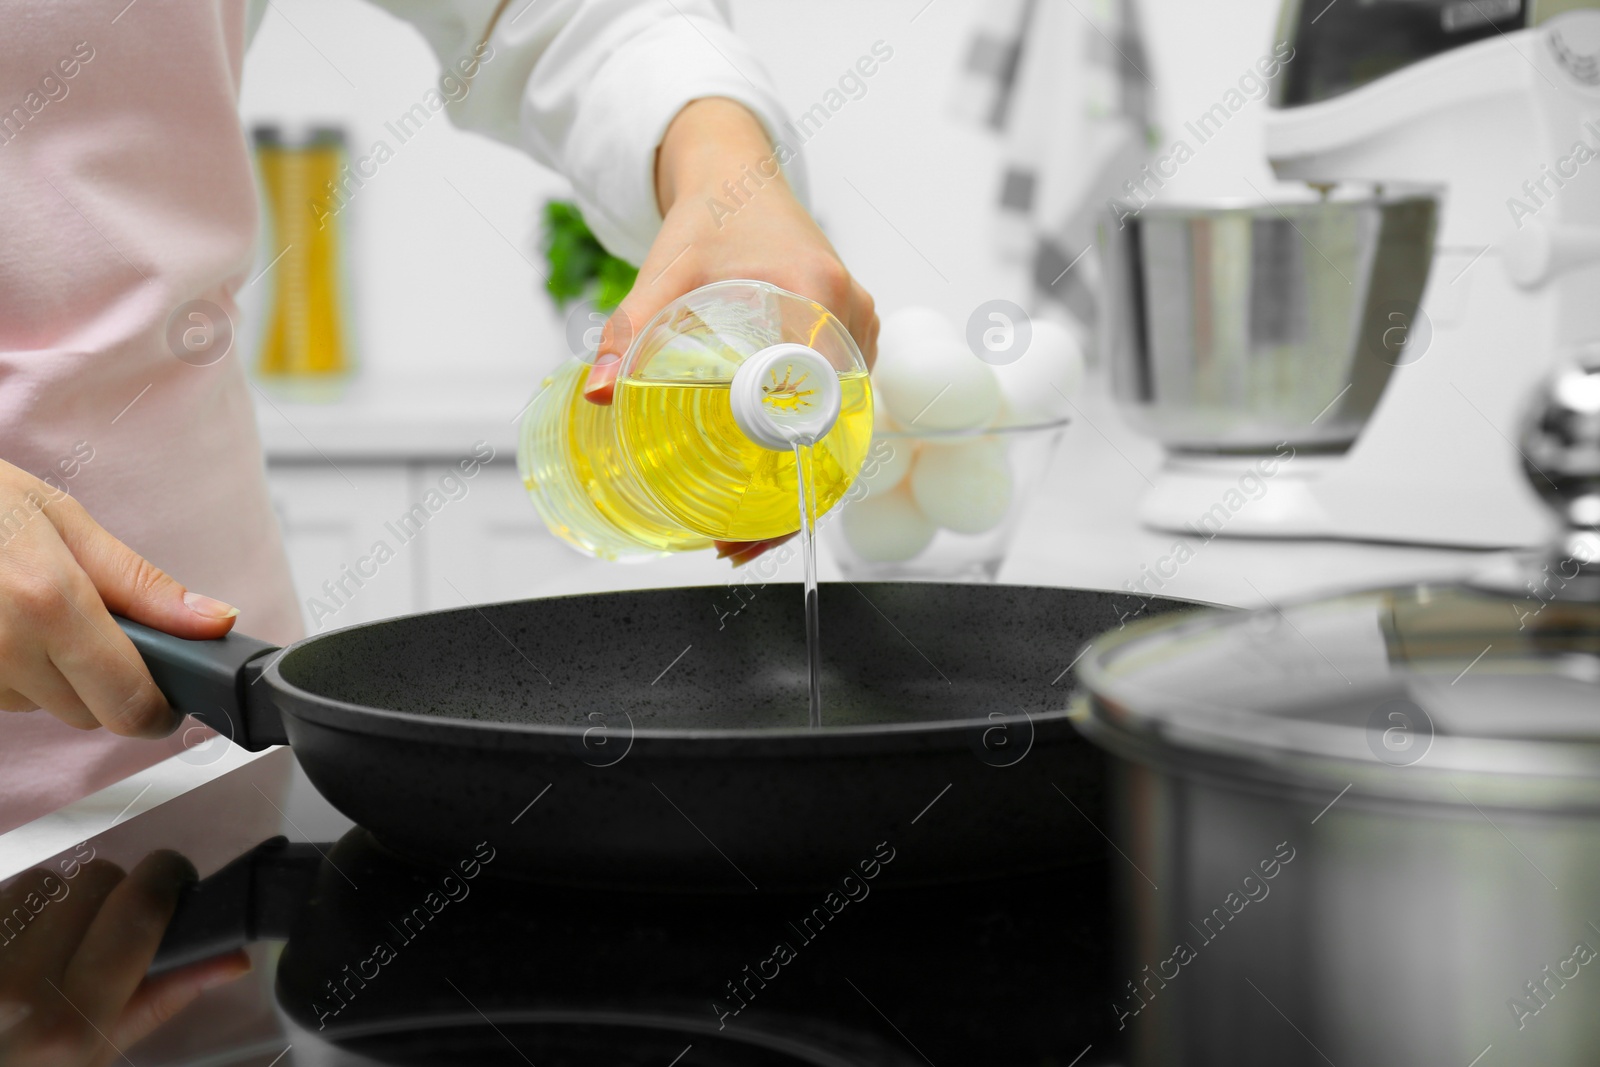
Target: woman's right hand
[(61, 577)]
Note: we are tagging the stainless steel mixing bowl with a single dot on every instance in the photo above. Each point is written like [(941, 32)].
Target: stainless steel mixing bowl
[(1235, 327)]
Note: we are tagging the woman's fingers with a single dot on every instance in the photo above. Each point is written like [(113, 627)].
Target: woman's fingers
[(742, 552), (37, 683), (827, 283), (104, 669), (131, 585), (58, 910), (864, 322), (60, 649), (119, 944), (667, 273), (615, 337), (157, 1000), (74, 957), (40, 1025)]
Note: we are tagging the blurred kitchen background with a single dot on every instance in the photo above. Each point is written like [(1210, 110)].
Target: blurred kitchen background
[(453, 331)]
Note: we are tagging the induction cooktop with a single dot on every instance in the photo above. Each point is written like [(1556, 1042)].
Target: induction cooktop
[(365, 957)]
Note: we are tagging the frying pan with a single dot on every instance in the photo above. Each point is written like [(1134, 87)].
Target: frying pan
[(658, 739)]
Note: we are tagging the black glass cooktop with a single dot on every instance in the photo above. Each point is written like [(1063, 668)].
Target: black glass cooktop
[(361, 956)]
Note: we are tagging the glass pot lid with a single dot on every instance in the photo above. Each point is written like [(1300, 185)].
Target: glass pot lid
[(1483, 691)]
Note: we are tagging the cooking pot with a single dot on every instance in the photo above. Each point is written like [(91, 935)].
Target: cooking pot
[(1367, 829)]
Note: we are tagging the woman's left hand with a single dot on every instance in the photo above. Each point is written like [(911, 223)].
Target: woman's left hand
[(727, 212), (73, 985)]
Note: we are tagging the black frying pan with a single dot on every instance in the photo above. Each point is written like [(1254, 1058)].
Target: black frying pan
[(652, 740)]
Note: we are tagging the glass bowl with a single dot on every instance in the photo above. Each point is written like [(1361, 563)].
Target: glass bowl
[(939, 505)]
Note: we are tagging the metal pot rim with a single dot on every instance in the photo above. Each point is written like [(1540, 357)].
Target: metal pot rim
[(1198, 737), (1278, 203)]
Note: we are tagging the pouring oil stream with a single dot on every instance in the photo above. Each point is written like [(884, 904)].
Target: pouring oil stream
[(805, 479)]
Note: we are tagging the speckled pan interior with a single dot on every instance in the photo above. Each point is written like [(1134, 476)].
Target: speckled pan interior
[(730, 657)]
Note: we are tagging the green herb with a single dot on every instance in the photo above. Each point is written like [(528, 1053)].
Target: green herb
[(579, 265)]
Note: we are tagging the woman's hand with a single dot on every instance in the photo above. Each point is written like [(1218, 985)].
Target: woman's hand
[(727, 212), (61, 576), (73, 989), (750, 227)]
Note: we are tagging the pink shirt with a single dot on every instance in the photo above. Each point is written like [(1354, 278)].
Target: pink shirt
[(128, 193)]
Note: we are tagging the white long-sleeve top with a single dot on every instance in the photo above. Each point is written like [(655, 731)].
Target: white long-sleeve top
[(588, 87)]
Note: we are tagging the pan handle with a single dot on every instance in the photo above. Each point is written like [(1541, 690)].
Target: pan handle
[(255, 898), (213, 681)]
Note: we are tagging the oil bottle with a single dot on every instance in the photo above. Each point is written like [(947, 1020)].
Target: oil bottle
[(699, 442), (304, 351)]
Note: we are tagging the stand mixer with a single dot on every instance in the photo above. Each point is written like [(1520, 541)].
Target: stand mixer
[(1492, 109)]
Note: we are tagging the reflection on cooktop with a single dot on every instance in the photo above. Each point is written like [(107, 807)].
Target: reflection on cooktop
[(405, 961), (362, 956)]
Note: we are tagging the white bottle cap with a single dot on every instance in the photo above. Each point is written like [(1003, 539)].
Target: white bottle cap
[(785, 395)]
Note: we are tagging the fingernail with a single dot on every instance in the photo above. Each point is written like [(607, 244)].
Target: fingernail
[(222, 976), (208, 608), (12, 1013), (177, 859)]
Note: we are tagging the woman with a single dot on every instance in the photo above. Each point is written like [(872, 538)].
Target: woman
[(128, 194)]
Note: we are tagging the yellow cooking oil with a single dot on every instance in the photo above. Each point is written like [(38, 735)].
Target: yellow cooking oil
[(669, 466), (706, 475), (578, 480)]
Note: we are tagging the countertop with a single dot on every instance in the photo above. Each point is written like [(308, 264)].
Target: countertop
[(392, 420), (1079, 530)]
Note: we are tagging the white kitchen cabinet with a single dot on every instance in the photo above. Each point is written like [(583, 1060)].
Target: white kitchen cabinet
[(331, 519), (481, 542), (485, 545), (490, 544)]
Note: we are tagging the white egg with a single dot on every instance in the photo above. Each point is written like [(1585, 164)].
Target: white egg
[(886, 527), (882, 421), (965, 487), (937, 384), (926, 379), (1038, 386), (912, 325), (888, 460)]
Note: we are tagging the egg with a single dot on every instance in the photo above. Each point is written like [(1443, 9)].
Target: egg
[(886, 527), (965, 486), (908, 326), (935, 383), (888, 456), (926, 379), (1037, 387), (888, 460)]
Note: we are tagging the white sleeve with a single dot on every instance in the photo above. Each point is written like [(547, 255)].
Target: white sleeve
[(588, 87)]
